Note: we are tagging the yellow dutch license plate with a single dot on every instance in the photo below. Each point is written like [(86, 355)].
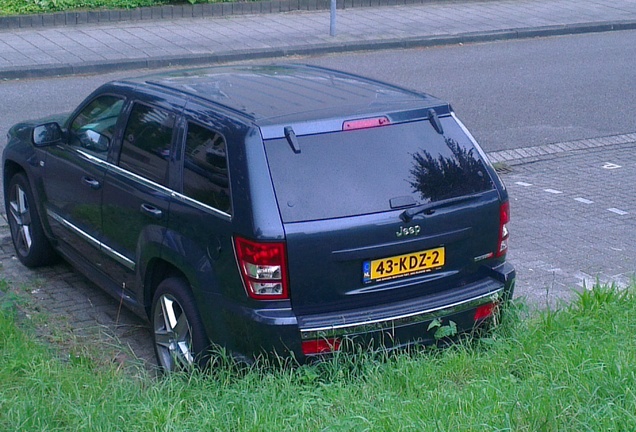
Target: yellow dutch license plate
[(403, 265)]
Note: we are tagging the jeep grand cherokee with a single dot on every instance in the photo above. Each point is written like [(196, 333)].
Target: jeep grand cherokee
[(266, 209)]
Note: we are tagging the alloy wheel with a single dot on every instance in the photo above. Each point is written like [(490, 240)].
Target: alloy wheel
[(173, 334), (20, 220)]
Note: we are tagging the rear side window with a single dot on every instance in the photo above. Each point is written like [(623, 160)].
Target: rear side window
[(147, 142), (205, 174), (373, 170)]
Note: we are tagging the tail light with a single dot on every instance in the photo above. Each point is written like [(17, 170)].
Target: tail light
[(320, 346), (484, 311), (504, 219), (263, 267)]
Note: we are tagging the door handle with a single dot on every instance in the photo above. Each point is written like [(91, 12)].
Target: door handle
[(151, 211), (94, 184)]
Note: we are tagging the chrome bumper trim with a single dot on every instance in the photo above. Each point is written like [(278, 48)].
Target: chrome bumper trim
[(339, 330)]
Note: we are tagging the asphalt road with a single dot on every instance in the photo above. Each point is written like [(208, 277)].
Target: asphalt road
[(521, 93), (511, 94)]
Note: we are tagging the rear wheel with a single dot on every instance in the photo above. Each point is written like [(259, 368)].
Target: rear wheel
[(31, 245), (179, 336)]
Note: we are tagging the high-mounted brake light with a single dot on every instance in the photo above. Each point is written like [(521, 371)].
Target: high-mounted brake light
[(365, 123), (263, 267), (504, 219)]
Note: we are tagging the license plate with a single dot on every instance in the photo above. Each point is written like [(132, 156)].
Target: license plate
[(403, 265)]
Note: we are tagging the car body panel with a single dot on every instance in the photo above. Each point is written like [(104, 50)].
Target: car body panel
[(73, 203), (327, 257)]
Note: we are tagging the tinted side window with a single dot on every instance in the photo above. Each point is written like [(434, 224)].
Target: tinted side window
[(147, 142), (93, 127), (205, 174)]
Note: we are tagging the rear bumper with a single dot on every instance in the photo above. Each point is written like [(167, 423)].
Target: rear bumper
[(408, 322), (388, 326)]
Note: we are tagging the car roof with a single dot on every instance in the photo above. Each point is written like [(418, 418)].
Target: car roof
[(275, 95)]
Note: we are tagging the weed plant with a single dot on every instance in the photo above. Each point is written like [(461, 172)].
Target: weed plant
[(552, 370)]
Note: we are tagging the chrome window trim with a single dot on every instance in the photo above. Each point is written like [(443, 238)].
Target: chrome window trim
[(340, 330), (149, 183), (97, 161), (126, 173), (183, 198), (142, 180)]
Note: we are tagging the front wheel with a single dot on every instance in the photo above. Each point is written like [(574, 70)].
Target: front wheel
[(31, 245), (179, 337)]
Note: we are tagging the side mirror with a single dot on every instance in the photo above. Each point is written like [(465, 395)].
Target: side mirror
[(93, 140), (47, 134)]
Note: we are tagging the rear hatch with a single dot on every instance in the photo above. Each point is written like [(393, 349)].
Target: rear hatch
[(379, 215)]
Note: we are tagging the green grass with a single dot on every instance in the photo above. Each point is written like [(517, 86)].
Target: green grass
[(22, 7), (571, 369)]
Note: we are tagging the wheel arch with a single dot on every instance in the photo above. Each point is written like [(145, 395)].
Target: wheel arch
[(157, 270), (169, 264), (13, 167), (10, 169)]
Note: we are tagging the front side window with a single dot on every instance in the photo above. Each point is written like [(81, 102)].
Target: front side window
[(147, 142), (94, 126), (205, 173)]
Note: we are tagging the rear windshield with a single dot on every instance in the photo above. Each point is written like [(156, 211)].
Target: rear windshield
[(358, 172)]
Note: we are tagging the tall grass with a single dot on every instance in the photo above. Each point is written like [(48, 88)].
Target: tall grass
[(571, 369)]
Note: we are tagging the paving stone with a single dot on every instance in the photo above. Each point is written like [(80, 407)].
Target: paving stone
[(579, 240)]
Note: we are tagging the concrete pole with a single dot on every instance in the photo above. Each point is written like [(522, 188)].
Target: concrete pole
[(332, 20)]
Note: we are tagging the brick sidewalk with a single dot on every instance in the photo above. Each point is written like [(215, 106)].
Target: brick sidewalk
[(70, 312), (573, 219)]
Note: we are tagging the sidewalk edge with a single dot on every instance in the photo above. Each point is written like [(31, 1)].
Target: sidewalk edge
[(200, 10), (45, 71)]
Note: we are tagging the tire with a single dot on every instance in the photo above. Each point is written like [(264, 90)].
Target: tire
[(31, 244), (179, 337)]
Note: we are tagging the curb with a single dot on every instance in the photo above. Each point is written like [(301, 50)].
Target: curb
[(47, 71), (203, 10), (525, 155)]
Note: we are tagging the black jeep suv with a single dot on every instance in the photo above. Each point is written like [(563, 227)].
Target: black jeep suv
[(266, 209)]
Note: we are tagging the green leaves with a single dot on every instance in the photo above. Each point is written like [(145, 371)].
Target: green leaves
[(17, 7), (443, 331)]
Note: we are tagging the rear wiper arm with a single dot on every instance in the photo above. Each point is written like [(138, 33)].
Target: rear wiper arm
[(291, 139), (429, 208)]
